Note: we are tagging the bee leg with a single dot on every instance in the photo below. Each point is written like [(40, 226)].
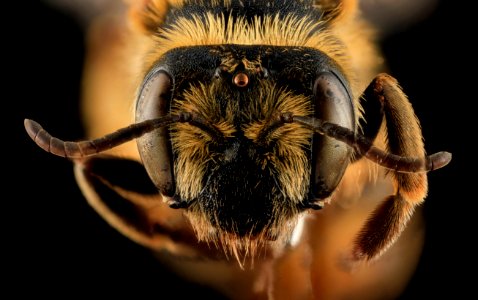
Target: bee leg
[(121, 192), (384, 100)]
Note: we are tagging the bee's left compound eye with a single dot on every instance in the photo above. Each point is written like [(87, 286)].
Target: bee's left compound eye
[(241, 79)]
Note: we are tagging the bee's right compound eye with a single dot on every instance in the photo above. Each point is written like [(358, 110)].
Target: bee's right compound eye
[(155, 147)]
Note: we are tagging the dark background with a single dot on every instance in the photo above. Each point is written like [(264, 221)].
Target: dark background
[(55, 245)]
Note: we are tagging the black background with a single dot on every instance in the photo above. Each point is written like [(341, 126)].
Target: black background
[(55, 245)]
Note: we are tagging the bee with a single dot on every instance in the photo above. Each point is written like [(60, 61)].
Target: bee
[(264, 130)]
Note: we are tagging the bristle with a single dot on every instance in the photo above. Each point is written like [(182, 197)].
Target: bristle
[(341, 10), (245, 249), (189, 141), (146, 15), (213, 29), (383, 228)]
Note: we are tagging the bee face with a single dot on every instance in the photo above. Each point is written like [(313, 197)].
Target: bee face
[(241, 172), (244, 120)]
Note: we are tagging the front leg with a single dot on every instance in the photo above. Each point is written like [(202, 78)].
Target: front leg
[(385, 101)]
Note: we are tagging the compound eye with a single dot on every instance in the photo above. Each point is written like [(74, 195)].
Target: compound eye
[(155, 147), (331, 157)]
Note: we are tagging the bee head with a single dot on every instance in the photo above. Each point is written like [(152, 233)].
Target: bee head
[(238, 169)]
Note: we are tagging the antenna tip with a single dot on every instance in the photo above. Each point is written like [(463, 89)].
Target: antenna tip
[(440, 159)]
